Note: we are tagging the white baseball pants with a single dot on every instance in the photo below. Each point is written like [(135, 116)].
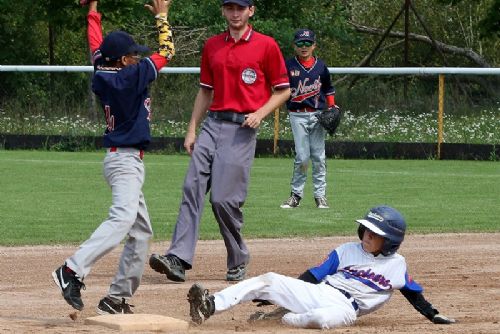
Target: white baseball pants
[(311, 305)]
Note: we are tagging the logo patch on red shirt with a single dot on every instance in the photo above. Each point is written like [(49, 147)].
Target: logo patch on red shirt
[(249, 76)]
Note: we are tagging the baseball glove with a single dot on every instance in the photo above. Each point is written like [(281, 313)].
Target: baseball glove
[(330, 119)]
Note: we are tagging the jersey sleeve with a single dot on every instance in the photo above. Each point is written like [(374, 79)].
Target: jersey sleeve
[(275, 67), (328, 267), (137, 77), (326, 82), (94, 30), (411, 285)]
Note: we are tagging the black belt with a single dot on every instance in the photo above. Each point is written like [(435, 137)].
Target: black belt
[(229, 116), (348, 296), (306, 109)]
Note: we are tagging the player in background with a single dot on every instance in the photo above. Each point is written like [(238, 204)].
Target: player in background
[(120, 80), (243, 79), (311, 92), (357, 278)]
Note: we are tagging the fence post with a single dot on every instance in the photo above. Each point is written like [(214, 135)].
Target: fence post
[(276, 130), (440, 115)]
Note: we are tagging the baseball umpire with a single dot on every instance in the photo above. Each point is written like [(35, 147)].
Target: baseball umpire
[(243, 79), (121, 82), (356, 279)]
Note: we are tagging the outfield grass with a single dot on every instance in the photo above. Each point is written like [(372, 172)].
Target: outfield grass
[(60, 198)]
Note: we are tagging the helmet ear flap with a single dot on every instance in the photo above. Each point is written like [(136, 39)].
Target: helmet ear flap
[(361, 231)]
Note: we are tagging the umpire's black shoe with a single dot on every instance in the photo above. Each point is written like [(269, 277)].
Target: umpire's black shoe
[(108, 306), (70, 286), (237, 273), (201, 304), (169, 265)]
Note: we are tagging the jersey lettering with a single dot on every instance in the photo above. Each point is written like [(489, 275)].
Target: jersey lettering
[(110, 119), (304, 91), (147, 105), (368, 277)]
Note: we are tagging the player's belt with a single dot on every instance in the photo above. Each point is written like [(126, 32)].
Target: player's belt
[(127, 150), (306, 109), (228, 116), (348, 296)]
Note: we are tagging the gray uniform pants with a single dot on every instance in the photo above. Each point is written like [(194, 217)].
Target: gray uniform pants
[(309, 138), (220, 163), (128, 215)]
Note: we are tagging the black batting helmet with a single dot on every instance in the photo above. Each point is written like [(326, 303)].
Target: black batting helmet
[(386, 222)]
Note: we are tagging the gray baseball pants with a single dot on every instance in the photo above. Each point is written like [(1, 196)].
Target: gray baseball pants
[(128, 215), (309, 138), (220, 163)]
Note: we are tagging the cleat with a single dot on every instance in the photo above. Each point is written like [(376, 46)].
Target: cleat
[(169, 265), (292, 202), (201, 304), (70, 286), (321, 203), (108, 306), (237, 273)]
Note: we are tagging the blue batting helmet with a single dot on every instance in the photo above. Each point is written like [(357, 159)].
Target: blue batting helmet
[(386, 222)]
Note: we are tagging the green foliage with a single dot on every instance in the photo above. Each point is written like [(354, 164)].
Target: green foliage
[(25, 40), (60, 198)]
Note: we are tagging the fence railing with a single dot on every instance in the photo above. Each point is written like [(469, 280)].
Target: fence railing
[(441, 72), (333, 70)]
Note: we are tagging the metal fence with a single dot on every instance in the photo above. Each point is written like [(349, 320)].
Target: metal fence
[(441, 72)]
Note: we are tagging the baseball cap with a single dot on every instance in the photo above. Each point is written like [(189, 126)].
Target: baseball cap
[(119, 43), (304, 35), (244, 3)]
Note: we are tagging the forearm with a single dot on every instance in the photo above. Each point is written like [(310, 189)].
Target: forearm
[(201, 105), (418, 301), (166, 46)]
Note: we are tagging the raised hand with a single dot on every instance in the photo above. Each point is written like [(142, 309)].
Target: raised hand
[(159, 6)]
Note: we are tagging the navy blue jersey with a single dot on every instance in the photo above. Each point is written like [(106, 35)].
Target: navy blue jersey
[(125, 100), (309, 87)]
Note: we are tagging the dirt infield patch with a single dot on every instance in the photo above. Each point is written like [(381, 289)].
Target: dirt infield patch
[(459, 272)]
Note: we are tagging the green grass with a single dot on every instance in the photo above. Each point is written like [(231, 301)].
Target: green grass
[(60, 197)]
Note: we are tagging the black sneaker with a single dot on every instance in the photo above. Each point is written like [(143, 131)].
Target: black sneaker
[(292, 202), (237, 273), (201, 304), (70, 286), (169, 265), (108, 306)]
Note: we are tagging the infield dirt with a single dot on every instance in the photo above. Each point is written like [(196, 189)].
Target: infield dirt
[(460, 274)]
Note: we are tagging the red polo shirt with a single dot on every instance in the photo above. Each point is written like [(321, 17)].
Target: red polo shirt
[(242, 73)]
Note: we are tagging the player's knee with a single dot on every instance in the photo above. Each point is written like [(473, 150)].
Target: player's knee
[(326, 320), (269, 278), (224, 204)]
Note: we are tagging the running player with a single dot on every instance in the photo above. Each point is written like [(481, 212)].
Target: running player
[(356, 279)]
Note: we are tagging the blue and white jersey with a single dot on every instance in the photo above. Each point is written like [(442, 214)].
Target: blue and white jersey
[(309, 87), (371, 280), (125, 100)]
